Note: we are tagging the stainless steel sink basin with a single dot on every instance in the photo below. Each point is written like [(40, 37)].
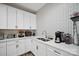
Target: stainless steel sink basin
[(43, 39)]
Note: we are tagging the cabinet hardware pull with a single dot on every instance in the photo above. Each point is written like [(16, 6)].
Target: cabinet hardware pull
[(37, 47), (16, 26), (31, 40), (57, 52), (17, 46)]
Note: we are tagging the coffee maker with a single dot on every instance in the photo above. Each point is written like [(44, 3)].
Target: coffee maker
[(59, 37)]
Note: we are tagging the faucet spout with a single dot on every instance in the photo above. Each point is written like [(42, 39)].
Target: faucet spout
[(45, 34)]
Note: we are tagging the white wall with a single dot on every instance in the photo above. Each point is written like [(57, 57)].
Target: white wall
[(55, 17)]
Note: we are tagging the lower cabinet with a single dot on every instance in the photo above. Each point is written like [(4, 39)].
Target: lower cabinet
[(39, 49), (52, 51), (34, 47), (28, 44), (3, 49), (11, 48), (20, 46)]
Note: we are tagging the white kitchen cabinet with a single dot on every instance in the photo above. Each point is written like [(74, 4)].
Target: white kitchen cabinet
[(26, 20), (39, 49), (28, 45), (33, 21), (20, 46), (11, 18), (52, 51), (29, 20), (3, 49), (3, 16), (11, 48), (19, 18), (63, 53), (34, 47)]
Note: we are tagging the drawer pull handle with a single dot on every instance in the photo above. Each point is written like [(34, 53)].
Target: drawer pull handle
[(17, 46), (37, 47), (57, 52)]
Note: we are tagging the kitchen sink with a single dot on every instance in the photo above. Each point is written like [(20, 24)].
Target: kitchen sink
[(43, 39)]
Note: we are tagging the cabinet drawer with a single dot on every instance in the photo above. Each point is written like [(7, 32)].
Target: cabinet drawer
[(64, 53), (59, 52), (50, 52)]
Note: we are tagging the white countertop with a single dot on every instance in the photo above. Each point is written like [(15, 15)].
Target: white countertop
[(14, 39), (71, 48)]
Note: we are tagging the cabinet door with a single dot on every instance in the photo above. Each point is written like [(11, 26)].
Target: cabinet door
[(11, 18), (20, 47), (41, 49), (28, 45), (38, 48), (26, 20), (63, 53), (19, 19), (3, 49), (11, 48), (51, 52), (3, 16), (33, 21), (34, 47)]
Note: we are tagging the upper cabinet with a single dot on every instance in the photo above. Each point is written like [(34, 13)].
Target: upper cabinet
[(3, 16), (33, 21), (29, 20), (19, 19), (26, 20), (11, 18)]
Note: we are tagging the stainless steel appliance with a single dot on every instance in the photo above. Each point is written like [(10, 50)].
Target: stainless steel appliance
[(45, 39), (28, 33), (21, 34), (68, 38), (59, 37)]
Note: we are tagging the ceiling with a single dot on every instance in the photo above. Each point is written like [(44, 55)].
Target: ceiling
[(30, 7)]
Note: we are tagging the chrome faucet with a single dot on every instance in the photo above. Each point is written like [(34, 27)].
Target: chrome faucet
[(45, 33)]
